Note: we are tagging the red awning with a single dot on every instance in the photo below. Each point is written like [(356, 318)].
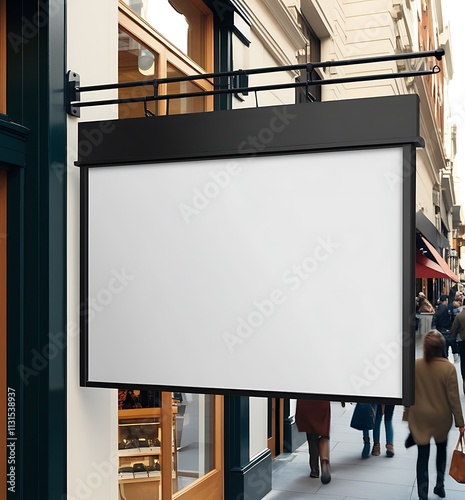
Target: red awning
[(427, 268)]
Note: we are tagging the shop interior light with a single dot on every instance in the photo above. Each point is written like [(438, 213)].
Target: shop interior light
[(146, 62)]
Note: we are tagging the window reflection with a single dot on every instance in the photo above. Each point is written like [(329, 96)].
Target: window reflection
[(135, 62), (172, 24), (195, 437), (182, 22), (187, 105)]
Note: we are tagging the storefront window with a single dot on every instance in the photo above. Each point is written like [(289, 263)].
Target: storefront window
[(184, 23), (153, 46), (178, 106), (195, 437), (188, 453), (135, 62)]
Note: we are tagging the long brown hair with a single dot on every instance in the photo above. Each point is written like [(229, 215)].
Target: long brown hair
[(433, 345)]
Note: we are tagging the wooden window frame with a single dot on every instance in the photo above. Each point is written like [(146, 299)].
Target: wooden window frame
[(139, 29), (210, 485)]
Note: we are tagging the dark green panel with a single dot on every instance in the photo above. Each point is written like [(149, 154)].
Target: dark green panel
[(223, 22), (12, 143), (37, 221), (236, 444)]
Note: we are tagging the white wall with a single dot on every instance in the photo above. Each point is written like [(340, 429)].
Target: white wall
[(270, 46), (92, 413), (275, 39), (258, 425)]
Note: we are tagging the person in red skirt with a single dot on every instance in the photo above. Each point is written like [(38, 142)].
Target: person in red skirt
[(314, 418)]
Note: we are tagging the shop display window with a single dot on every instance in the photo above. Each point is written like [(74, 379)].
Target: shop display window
[(140, 452), (142, 457)]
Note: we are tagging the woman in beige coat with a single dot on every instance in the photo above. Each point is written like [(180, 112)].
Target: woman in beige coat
[(436, 400)]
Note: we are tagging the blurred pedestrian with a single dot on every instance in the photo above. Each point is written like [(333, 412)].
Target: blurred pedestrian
[(436, 401), (363, 419), (442, 321), (314, 418), (386, 411), (424, 305), (458, 334)]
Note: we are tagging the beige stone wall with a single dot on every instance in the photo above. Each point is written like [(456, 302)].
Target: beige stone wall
[(92, 423)]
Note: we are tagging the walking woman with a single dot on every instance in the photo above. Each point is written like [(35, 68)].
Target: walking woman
[(314, 418), (386, 411), (436, 401)]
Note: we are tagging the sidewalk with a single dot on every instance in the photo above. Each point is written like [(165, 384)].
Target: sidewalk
[(375, 478)]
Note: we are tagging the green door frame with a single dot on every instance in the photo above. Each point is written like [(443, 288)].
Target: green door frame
[(36, 289)]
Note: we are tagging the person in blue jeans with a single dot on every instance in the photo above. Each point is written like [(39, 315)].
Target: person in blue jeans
[(387, 411)]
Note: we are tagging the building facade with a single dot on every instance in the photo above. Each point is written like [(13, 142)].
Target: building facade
[(70, 442)]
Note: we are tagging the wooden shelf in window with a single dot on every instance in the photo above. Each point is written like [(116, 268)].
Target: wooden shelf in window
[(135, 413), (139, 452), (142, 479)]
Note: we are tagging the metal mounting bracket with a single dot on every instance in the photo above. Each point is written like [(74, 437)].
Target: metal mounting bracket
[(72, 93)]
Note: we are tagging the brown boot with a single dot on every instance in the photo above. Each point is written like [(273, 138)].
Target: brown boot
[(376, 451), (366, 447), (314, 459), (390, 450), (325, 472), (323, 445)]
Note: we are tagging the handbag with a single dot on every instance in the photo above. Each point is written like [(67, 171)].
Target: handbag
[(363, 418), (457, 463)]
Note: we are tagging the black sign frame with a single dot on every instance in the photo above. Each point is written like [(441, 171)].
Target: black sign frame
[(304, 128)]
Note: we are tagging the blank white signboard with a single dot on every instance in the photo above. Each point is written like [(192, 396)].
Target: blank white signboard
[(213, 274)]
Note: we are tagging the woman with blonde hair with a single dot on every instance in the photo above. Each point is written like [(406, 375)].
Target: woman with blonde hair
[(436, 401)]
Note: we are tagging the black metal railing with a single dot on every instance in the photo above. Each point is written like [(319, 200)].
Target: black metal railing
[(236, 82)]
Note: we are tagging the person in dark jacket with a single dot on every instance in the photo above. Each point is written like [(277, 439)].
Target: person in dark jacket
[(458, 333), (442, 321)]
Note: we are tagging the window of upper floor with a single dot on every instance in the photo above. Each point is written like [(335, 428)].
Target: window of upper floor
[(164, 39)]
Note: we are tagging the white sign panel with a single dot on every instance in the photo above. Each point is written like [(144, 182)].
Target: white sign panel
[(213, 274)]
